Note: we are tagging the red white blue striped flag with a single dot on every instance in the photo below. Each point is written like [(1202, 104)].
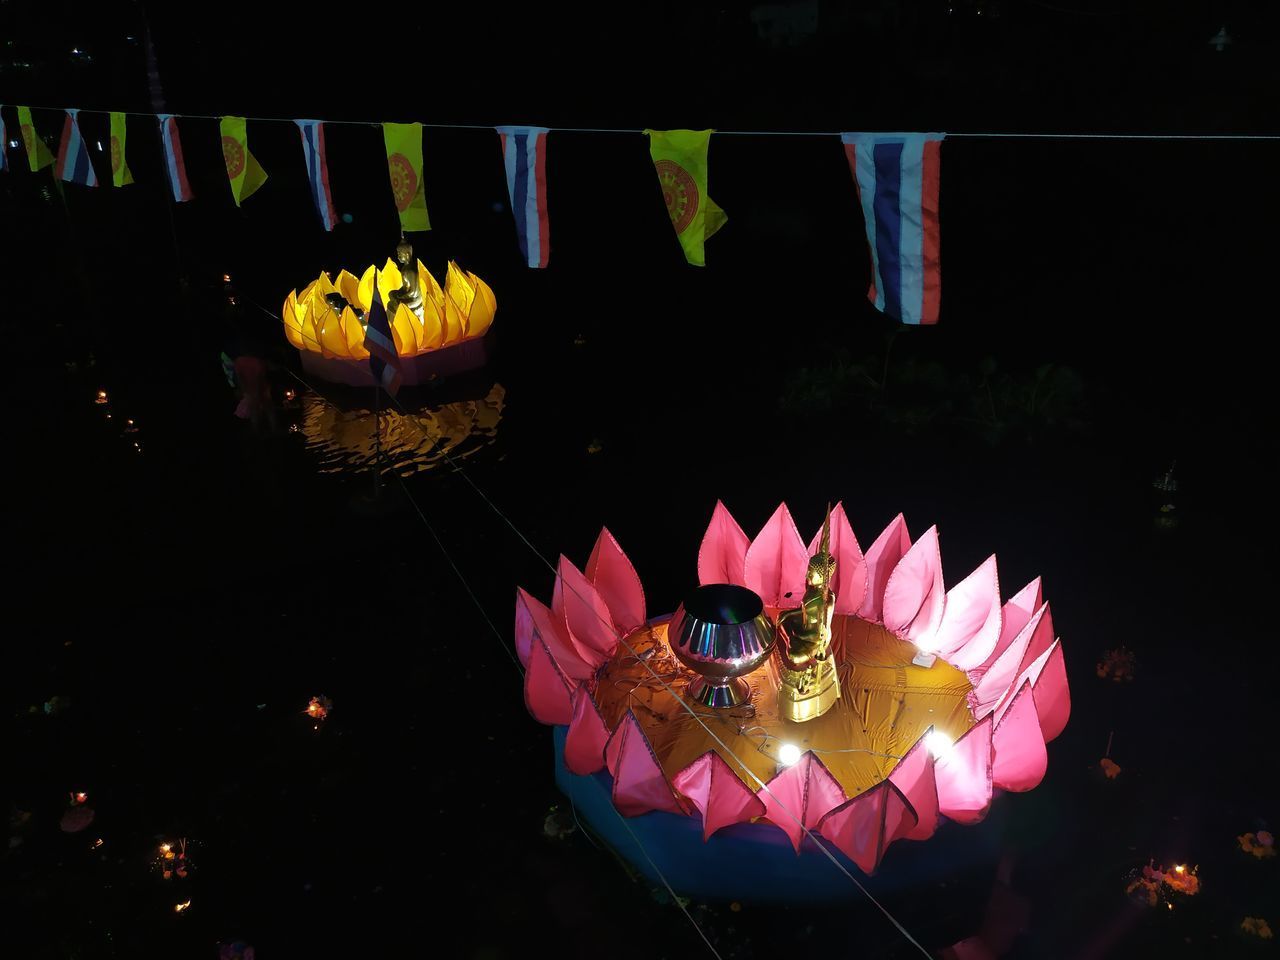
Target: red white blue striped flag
[(4, 142), (317, 169), (173, 165), (897, 176), (384, 362), (74, 165), (524, 153)]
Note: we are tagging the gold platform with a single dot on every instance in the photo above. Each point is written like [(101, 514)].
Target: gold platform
[(886, 705)]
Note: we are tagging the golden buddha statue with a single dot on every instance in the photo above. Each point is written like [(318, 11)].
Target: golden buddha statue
[(410, 292), (809, 683)]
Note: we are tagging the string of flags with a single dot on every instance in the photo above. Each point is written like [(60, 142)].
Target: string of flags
[(896, 177)]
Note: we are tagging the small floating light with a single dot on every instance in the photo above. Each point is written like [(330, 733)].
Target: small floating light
[(102, 397), (181, 907)]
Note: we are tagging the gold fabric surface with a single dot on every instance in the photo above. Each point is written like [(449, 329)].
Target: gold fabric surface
[(887, 704)]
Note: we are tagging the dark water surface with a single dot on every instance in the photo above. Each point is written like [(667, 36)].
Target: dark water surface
[(187, 598)]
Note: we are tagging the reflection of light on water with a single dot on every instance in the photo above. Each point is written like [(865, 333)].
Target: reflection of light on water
[(343, 439)]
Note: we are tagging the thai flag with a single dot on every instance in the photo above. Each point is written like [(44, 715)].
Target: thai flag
[(897, 181), (317, 169), (73, 155), (524, 151), (384, 362), (173, 164)]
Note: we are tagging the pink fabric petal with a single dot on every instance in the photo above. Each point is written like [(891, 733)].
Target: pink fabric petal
[(718, 793), (863, 828), (881, 558), (547, 690), (851, 567), (524, 628), (803, 793), (585, 740), (999, 682), (1015, 614), (612, 574), (914, 776), (724, 549), (578, 605), (1020, 757), (777, 560), (533, 615), (915, 595), (963, 775), (1053, 699), (639, 784), (971, 618)]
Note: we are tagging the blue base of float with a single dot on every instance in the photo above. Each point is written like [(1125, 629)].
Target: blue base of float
[(755, 862)]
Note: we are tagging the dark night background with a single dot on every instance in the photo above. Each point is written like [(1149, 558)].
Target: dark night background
[(1107, 307)]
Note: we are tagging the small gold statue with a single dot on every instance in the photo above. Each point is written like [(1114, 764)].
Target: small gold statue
[(810, 683), (410, 292)]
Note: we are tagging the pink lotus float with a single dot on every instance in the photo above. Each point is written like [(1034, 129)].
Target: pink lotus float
[(908, 745)]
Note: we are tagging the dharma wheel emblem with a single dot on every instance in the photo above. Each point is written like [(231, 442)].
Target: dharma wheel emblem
[(116, 156), (233, 154), (29, 139), (404, 182), (679, 192)]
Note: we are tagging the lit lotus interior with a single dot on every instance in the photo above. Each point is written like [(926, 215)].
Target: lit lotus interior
[(318, 322), (948, 695)]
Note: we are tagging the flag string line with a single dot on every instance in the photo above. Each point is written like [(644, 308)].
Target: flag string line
[(959, 134), (515, 662), (762, 785)]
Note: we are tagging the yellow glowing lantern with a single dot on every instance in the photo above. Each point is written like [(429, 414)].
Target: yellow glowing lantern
[(460, 311)]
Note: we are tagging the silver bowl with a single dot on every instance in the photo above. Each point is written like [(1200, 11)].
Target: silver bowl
[(721, 633)]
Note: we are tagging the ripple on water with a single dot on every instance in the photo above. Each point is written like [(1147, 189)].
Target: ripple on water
[(422, 438)]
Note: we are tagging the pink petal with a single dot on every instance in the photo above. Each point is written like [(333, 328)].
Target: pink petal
[(1053, 699), (724, 549), (1015, 614), (718, 793), (963, 774), (1020, 757), (999, 681), (578, 605), (587, 736), (546, 689), (802, 794), (881, 558), (915, 595), (776, 561), (639, 785), (851, 568), (914, 776), (971, 619), (612, 574), (534, 619), (863, 828)]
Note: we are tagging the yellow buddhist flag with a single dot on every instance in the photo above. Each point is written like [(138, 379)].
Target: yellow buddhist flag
[(404, 163), (120, 174), (38, 155), (680, 157), (243, 170)]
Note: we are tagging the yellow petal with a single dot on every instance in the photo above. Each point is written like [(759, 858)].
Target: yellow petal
[(325, 285), (352, 327), (366, 289), (348, 286), (404, 325), (483, 307), (432, 325), (292, 328), (333, 342)]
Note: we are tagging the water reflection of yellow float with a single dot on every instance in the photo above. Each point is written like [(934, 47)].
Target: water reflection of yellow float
[(411, 442), (437, 330)]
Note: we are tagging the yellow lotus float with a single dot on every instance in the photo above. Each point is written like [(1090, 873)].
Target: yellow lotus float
[(326, 322)]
